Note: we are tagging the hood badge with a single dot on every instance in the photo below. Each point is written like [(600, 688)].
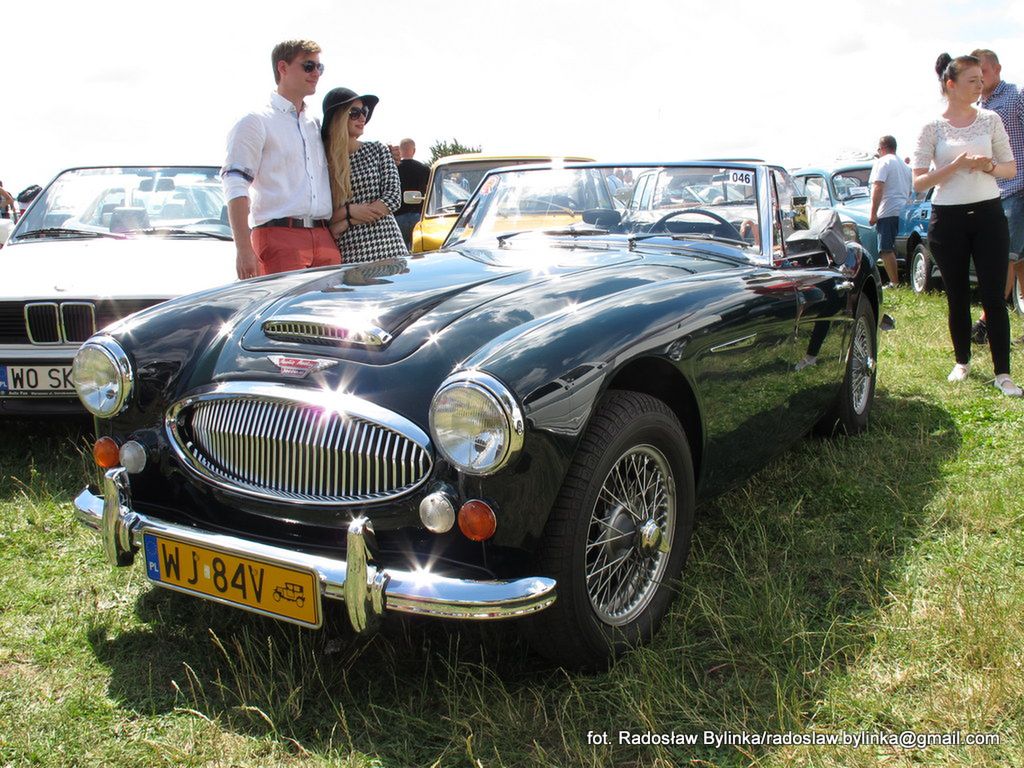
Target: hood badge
[(300, 367)]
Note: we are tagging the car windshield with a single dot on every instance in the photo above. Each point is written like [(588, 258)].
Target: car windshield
[(453, 183), (700, 201), (129, 202), (851, 182)]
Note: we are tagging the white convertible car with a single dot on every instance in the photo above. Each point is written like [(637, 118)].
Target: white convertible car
[(97, 245)]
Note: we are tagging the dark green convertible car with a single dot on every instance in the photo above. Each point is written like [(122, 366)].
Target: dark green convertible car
[(517, 426)]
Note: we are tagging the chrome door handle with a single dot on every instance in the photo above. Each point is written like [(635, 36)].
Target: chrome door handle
[(844, 286)]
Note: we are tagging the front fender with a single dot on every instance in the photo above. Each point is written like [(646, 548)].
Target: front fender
[(560, 367)]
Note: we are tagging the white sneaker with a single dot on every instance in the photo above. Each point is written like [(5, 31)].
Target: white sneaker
[(806, 362), (959, 372), (1005, 385)]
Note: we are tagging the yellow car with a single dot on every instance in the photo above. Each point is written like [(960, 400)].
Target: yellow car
[(452, 181)]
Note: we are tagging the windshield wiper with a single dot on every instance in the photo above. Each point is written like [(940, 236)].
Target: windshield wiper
[(180, 231), (636, 238), (46, 231)]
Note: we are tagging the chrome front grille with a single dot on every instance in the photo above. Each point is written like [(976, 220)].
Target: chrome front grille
[(77, 320), (43, 323), (303, 446), (47, 322)]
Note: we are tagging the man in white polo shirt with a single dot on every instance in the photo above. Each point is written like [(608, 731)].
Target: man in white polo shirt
[(275, 175), (891, 182)]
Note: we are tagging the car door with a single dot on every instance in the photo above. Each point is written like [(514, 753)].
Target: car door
[(821, 324), (746, 366)]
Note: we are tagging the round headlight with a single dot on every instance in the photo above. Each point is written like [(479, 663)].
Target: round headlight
[(476, 423), (102, 376)]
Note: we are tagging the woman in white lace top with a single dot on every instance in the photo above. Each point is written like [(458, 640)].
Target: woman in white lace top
[(961, 154)]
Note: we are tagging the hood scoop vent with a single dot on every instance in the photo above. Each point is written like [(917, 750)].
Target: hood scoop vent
[(303, 329)]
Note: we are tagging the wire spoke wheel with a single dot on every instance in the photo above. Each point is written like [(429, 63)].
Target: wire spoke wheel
[(630, 535), (862, 365), (618, 534)]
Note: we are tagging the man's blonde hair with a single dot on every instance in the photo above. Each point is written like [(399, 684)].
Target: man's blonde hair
[(288, 50), (985, 53)]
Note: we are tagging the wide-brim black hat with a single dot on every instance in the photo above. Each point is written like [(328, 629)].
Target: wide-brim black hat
[(340, 98)]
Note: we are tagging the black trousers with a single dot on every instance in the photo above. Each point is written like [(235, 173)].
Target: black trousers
[(956, 235)]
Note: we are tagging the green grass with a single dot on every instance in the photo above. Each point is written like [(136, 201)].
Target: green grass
[(866, 584)]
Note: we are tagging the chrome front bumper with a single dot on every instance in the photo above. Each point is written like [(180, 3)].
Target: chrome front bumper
[(367, 589)]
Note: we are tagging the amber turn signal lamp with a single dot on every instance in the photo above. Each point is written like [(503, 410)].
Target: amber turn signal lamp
[(106, 453), (477, 521)]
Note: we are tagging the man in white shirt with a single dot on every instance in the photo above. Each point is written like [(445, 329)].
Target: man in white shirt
[(275, 175), (891, 183)]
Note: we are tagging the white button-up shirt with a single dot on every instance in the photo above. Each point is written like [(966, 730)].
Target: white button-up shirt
[(276, 158)]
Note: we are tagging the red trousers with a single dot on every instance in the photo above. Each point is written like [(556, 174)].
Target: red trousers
[(280, 249)]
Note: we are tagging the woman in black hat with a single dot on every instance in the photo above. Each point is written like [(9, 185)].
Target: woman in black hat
[(365, 186)]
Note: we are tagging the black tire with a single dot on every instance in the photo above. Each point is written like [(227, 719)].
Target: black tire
[(852, 407), (921, 278), (644, 539)]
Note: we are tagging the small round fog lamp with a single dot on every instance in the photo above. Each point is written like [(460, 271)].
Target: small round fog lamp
[(477, 521), (133, 456), (105, 453), (437, 512)]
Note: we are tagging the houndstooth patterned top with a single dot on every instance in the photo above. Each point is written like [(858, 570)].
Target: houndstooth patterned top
[(374, 177)]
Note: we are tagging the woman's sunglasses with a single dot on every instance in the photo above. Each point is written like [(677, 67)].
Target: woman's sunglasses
[(309, 66), (355, 112)]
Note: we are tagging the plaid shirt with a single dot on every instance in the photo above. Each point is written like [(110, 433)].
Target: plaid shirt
[(1008, 103)]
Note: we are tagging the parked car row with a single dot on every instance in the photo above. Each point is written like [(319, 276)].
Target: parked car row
[(518, 425)]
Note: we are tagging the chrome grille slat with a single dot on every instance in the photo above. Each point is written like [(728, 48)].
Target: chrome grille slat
[(288, 449)]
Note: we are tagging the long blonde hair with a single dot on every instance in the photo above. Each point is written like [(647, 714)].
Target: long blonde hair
[(339, 166)]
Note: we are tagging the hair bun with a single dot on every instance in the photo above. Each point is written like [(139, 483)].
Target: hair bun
[(941, 63)]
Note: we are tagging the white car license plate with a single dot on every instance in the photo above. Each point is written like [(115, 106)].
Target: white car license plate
[(35, 380)]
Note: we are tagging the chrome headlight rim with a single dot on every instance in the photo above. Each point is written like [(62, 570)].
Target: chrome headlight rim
[(506, 402), (125, 375)]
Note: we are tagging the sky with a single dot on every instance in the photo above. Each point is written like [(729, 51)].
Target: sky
[(794, 83)]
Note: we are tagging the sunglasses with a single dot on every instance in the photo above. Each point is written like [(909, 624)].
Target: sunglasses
[(309, 66), (355, 112)]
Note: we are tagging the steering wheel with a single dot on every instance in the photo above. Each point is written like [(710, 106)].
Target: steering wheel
[(704, 212)]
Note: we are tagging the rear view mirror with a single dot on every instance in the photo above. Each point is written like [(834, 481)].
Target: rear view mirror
[(412, 197)]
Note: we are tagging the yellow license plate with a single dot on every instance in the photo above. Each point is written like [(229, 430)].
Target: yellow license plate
[(247, 582)]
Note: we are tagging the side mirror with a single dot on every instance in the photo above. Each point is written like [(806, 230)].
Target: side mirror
[(412, 197), (602, 217)]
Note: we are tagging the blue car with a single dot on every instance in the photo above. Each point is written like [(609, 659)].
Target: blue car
[(844, 188)]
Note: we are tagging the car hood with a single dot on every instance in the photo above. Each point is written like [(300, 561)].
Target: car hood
[(383, 312), (154, 267)]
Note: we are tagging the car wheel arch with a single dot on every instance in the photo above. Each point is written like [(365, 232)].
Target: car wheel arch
[(664, 381)]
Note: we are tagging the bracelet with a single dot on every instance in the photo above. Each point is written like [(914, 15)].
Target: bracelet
[(993, 166)]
